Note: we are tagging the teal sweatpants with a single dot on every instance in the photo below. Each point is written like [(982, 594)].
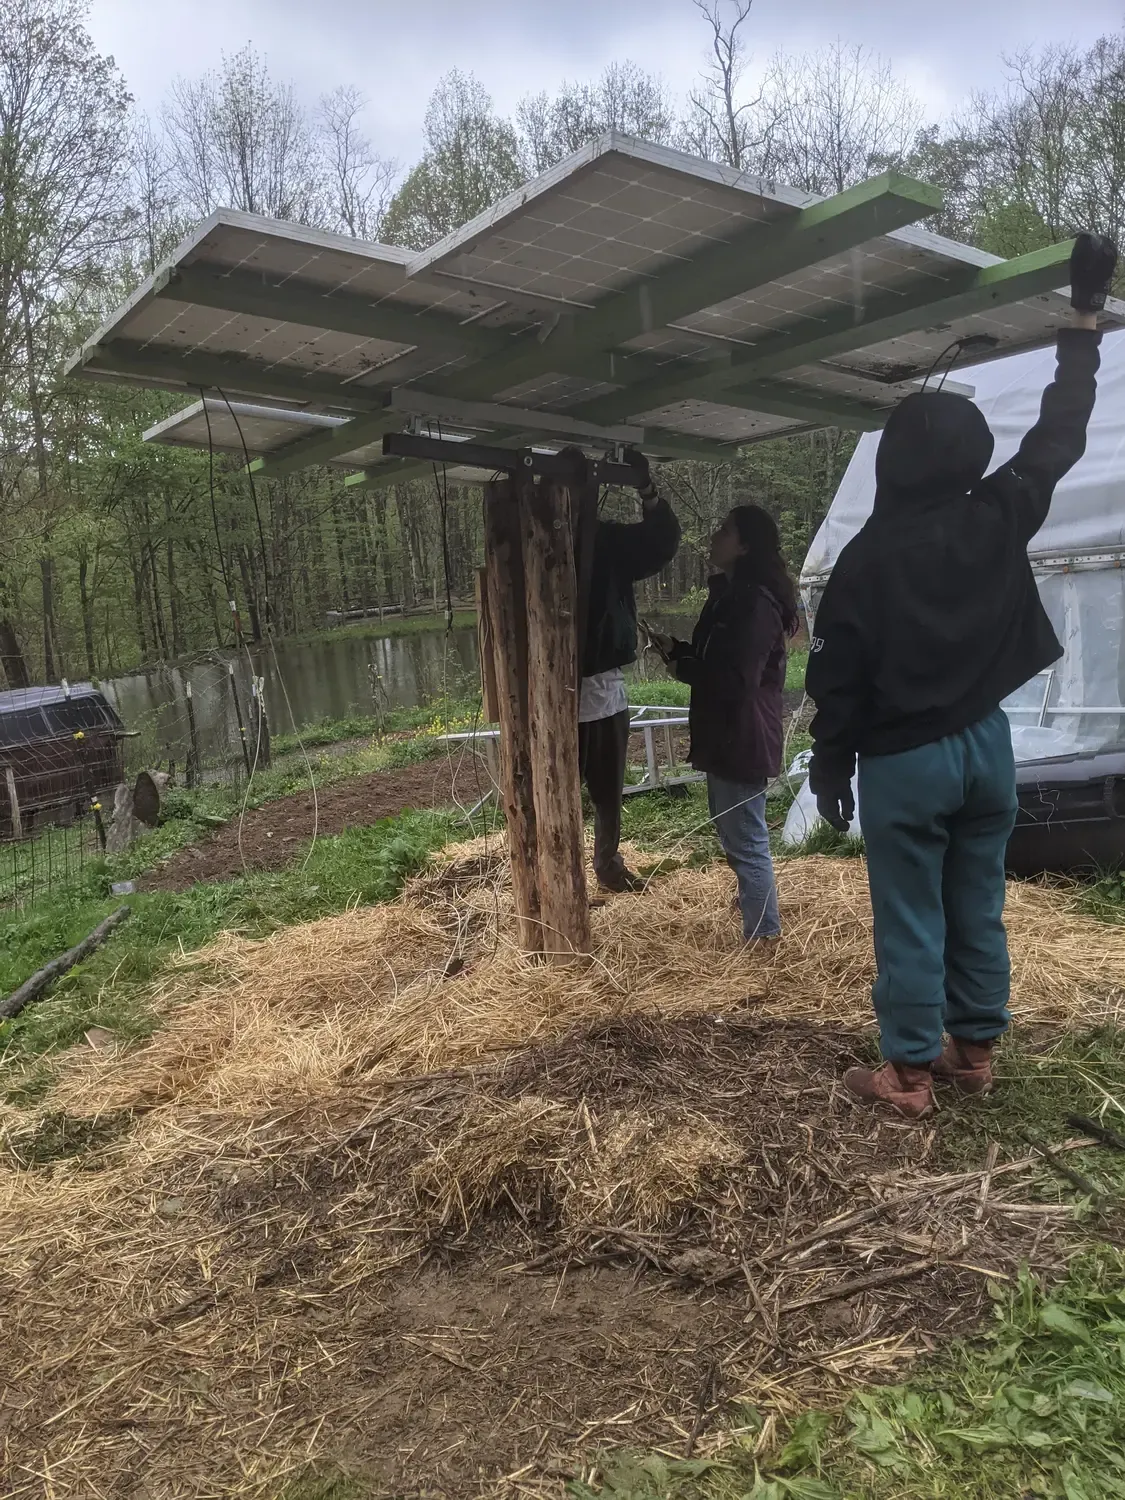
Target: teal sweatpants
[(936, 823)]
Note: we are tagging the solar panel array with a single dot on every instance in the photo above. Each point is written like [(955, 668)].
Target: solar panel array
[(557, 301)]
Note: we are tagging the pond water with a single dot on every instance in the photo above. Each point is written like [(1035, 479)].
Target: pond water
[(304, 681)]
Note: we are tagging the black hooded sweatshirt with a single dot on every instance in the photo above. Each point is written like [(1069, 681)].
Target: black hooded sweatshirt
[(931, 616)]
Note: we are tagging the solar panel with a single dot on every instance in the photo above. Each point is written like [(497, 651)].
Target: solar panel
[(700, 306)]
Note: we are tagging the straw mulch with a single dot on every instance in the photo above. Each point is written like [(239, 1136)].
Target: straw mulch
[(383, 1196)]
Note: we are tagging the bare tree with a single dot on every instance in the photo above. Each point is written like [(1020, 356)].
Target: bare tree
[(839, 115), (624, 98), (472, 158), (240, 139), (63, 141), (153, 194), (718, 127), (360, 181)]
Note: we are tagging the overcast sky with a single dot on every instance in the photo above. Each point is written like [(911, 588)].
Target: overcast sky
[(395, 52)]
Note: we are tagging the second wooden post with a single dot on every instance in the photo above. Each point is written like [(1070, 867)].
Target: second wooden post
[(552, 687), (505, 593)]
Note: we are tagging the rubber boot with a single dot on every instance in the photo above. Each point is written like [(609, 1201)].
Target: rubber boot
[(905, 1089), (966, 1065), (618, 878)]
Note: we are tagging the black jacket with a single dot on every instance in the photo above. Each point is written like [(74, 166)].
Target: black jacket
[(736, 667), (623, 554), (931, 616)]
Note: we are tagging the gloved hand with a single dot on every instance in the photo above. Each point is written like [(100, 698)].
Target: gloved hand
[(1092, 264), (837, 807), (637, 461)]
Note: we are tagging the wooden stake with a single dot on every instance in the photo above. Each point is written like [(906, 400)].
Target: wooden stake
[(193, 754), (552, 682), (508, 617), (13, 802), (486, 649)]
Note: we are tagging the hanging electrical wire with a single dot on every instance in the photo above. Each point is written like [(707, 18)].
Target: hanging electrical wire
[(211, 487), (268, 631)]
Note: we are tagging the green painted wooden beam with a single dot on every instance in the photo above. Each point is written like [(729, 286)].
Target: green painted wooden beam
[(757, 257), (297, 302), (892, 314), (233, 375), (379, 476), (777, 400), (321, 447)]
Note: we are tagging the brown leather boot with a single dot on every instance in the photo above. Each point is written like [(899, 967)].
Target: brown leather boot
[(966, 1065), (907, 1090)]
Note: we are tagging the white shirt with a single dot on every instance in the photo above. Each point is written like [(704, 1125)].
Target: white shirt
[(602, 696)]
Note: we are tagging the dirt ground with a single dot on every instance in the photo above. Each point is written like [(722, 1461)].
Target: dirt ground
[(381, 1197), (440, 1323), (273, 835)]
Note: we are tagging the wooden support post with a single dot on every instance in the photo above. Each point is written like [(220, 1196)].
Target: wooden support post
[(238, 717), (486, 650), (507, 614), (193, 753), (552, 683), (13, 802)]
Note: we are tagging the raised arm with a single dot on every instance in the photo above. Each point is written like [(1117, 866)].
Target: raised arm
[(1058, 439), (643, 547)]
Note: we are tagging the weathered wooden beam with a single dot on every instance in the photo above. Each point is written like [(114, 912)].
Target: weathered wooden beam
[(968, 290), (507, 614), (552, 690), (791, 401), (42, 980)]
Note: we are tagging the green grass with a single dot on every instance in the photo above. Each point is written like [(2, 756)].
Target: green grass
[(361, 865), (433, 716), (376, 629), (1036, 1406)]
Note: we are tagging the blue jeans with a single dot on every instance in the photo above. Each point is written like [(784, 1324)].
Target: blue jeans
[(936, 823), (738, 811)]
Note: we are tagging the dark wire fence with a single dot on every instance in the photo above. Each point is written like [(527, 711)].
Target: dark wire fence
[(57, 795)]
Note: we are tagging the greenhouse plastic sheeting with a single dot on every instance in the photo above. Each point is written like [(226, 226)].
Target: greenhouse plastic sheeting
[(1084, 593), (1088, 513)]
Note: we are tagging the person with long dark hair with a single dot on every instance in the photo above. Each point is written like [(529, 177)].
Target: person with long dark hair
[(735, 665)]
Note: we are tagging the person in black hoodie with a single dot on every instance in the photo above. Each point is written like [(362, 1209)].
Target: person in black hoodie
[(624, 553), (735, 664), (930, 619)]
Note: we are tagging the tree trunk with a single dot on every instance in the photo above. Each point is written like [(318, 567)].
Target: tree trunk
[(87, 616), (137, 569), (157, 611), (383, 545), (47, 584), (552, 690), (344, 594), (170, 570), (11, 655), (508, 619), (251, 595)]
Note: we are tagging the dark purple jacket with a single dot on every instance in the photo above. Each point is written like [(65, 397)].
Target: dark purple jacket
[(736, 667)]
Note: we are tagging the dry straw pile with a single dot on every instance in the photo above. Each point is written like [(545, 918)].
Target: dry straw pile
[(382, 1193), (435, 981)]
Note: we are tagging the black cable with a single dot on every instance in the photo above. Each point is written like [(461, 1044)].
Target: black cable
[(442, 487), (257, 512), (211, 484)]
